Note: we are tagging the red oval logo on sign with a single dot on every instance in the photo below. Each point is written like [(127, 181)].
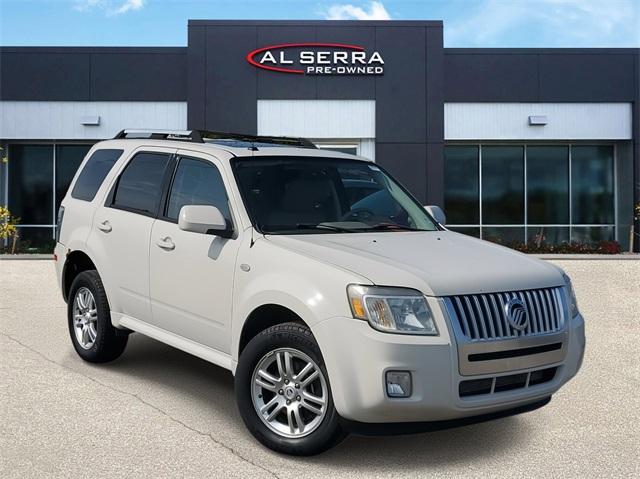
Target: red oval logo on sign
[(316, 59)]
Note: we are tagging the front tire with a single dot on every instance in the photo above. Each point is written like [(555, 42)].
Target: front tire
[(283, 392), (89, 317)]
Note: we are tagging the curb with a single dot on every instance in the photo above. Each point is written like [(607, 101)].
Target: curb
[(599, 257), (10, 257)]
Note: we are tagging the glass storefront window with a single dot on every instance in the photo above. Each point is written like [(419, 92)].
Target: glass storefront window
[(592, 184), (38, 178), (30, 183), (502, 185), (469, 231), (548, 234), (548, 184), (503, 234), (592, 234), (516, 193), (462, 188), (35, 239)]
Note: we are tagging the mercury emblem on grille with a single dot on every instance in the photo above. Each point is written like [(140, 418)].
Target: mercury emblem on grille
[(517, 313)]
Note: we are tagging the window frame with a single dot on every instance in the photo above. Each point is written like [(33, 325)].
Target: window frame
[(109, 201)]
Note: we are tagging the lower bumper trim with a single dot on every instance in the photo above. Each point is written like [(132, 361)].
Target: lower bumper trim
[(514, 353), (400, 428)]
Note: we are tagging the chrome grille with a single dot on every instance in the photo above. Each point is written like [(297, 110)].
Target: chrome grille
[(482, 317)]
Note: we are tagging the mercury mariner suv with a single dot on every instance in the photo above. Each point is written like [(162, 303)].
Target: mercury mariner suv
[(339, 302)]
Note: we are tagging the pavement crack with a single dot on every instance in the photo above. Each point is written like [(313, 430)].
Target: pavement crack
[(146, 403)]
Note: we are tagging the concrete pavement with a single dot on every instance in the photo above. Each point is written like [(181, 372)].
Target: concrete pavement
[(158, 412)]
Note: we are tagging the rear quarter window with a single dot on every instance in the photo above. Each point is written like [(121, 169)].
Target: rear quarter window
[(93, 174)]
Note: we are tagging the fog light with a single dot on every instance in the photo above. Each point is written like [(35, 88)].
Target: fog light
[(398, 384)]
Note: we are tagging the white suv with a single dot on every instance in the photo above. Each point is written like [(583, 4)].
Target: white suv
[(337, 300)]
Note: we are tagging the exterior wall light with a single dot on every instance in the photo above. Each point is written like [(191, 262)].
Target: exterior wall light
[(90, 120), (538, 120)]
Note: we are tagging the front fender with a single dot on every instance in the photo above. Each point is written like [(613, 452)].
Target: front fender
[(313, 290)]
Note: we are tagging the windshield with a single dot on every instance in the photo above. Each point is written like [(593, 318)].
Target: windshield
[(288, 195)]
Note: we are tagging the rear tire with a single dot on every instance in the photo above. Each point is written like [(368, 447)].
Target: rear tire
[(89, 318), (271, 377)]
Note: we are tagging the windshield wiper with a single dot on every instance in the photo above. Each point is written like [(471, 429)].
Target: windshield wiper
[(391, 226), (309, 226)]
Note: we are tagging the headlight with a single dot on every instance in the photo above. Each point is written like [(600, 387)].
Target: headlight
[(571, 296), (392, 310)]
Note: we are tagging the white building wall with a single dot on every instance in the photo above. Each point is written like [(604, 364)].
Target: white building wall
[(62, 120), (510, 121), (331, 119)]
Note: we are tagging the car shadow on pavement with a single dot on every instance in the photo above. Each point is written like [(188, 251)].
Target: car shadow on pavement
[(210, 388)]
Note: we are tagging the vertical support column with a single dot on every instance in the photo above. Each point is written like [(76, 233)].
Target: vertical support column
[(196, 77), (4, 179), (435, 115), (636, 151)]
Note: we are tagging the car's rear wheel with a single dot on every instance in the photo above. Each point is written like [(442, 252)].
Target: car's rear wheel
[(92, 334), (283, 392)]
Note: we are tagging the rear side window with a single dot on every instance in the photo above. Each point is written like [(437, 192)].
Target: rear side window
[(197, 182), (94, 173), (140, 185)]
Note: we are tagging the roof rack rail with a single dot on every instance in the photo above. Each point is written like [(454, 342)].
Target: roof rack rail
[(238, 140)]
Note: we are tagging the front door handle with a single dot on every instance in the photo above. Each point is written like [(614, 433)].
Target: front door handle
[(105, 226), (166, 244)]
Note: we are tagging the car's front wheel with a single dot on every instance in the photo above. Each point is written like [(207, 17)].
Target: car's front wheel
[(283, 392)]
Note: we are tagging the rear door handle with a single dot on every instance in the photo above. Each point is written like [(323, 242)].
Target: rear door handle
[(166, 244), (105, 226)]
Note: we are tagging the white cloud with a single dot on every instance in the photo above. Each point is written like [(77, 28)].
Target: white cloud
[(376, 11), (110, 7), (130, 5), (549, 23)]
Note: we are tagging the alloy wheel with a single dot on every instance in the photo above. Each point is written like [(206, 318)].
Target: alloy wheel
[(289, 392), (85, 318)]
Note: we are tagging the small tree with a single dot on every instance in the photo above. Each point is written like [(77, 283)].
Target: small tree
[(8, 228)]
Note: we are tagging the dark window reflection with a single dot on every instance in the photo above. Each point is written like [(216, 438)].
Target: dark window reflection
[(461, 185), (594, 234), (592, 184), (503, 235), (470, 231), (30, 183), (68, 159), (548, 184), (548, 234), (503, 185), (34, 238)]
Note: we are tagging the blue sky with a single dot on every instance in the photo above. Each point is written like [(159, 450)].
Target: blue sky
[(467, 23)]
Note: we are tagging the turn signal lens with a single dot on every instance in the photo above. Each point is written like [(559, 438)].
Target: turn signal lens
[(358, 308)]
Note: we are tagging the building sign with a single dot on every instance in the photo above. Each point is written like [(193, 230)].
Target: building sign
[(317, 59)]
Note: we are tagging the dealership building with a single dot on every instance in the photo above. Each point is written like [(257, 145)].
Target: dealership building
[(514, 143)]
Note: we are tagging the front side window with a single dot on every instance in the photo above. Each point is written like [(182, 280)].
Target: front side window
[(290, 195), (197, 182), (140, 186)]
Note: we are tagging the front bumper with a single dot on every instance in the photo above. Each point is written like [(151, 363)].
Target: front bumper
[(357, 358)]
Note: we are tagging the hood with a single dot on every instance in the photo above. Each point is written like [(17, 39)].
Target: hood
[(438, 263)]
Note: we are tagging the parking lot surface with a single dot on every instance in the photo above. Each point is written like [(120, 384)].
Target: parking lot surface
[(158, 412)]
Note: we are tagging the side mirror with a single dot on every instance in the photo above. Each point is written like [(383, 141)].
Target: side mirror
[(437, 214), (203, 219)]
